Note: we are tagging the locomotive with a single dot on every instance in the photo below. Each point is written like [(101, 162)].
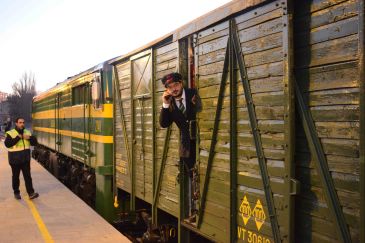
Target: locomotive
[(280, 141)]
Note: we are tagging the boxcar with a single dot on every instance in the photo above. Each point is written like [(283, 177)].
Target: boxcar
[(280, 149)]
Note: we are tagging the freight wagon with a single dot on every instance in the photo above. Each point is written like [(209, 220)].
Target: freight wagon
[(280, 142)]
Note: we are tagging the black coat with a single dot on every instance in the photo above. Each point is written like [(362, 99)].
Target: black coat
[(186, 123)]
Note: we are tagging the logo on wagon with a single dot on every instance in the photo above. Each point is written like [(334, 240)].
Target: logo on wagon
[(256, 214), (259, 214), (245, 210)]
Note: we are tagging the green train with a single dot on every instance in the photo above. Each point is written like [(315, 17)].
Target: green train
[(280, 141)]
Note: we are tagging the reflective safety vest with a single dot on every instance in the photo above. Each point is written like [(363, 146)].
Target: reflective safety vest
[(22, 144)]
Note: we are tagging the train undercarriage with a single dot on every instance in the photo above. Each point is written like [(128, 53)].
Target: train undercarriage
[(136, 225)]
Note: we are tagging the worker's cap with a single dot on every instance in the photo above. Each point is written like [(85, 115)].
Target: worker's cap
[(171, 78)]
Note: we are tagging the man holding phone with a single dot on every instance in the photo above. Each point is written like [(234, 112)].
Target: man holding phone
[(180, 105), (18, 142)]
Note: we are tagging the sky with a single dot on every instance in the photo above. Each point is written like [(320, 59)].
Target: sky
[(56, 39)]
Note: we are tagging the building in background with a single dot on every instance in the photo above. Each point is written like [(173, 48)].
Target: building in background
[(3, 96)]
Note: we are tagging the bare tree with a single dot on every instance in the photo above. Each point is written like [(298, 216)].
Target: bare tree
[(26, 85), (20, 101)]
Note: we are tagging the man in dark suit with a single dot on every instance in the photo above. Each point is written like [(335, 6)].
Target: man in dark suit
[(180, 105)]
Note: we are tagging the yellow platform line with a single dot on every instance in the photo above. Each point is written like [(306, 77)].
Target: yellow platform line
[(41, 226)]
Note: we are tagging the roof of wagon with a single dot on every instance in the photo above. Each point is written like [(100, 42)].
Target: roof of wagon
[(200, 23), (193, 26)]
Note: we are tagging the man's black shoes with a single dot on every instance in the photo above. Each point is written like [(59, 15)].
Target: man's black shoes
[(33, 195)]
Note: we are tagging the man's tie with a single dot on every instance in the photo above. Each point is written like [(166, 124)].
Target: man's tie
[(181, 106)]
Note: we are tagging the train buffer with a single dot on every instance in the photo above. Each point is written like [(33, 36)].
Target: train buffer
[(56, 216)]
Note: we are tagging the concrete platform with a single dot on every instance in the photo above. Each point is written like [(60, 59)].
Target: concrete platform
[(56, 216)]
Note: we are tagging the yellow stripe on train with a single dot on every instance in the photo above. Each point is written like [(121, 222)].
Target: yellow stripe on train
[(80, 135), (76, 112)]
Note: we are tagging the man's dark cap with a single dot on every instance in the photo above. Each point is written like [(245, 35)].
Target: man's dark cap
[(170, 78)]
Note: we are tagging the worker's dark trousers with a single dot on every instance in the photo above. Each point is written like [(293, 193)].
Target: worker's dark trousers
[(25, 168)]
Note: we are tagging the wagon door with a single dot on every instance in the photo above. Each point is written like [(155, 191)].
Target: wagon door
[(58, 122), (141, 65), (123, 134), (80, 122), (64, 119), (166, 194), (87, 124), (245, 151)]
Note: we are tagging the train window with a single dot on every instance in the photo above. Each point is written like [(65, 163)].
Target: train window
[(96, 91), (79, 94)]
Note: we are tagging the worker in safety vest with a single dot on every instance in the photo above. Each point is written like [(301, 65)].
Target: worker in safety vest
[(18, 142)]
